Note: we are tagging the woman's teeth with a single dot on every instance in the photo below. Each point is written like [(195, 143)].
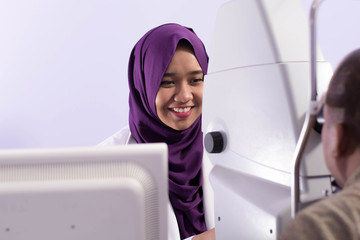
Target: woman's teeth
[(181, 110)]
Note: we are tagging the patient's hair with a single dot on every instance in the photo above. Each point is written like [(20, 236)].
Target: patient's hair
[(343, 97)]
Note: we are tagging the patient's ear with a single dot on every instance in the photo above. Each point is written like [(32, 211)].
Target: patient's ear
[(344, 141)]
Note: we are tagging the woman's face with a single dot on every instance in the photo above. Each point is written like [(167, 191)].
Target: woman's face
[(179, 98)]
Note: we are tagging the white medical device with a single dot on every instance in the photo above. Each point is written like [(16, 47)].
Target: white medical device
[(112, 192), (256, 99)]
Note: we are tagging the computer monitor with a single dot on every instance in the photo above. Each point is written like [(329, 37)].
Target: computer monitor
[(111, 192)]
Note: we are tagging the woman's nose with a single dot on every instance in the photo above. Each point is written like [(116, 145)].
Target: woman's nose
[(183, 93)]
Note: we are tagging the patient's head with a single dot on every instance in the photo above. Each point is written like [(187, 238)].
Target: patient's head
[(341, 131)]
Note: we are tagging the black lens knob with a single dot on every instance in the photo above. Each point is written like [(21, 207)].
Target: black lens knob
[(214, 142)]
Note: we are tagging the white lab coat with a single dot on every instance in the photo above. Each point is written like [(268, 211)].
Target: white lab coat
[(124, 136)]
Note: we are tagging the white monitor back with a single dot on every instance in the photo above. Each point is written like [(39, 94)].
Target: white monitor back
[(117, 192)]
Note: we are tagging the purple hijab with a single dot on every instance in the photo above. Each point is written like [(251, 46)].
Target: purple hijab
[(148, 62)]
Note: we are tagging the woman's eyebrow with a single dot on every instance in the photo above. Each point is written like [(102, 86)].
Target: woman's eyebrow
[(171, 74), (195, 72)]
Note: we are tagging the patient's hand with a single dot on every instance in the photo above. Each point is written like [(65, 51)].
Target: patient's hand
[(208, 235)]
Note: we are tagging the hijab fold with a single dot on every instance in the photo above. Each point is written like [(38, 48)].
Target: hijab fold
[(148, 62)]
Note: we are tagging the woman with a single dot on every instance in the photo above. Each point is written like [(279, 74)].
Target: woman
[(166, 71)]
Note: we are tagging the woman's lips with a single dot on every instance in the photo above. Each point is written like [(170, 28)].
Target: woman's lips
[(181, 112)]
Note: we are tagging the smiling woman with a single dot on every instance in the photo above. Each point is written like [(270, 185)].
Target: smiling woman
[(179, 99), (166, 71)]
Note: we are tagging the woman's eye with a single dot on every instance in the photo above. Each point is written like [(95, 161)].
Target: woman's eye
[(166, 83), (197, 80)]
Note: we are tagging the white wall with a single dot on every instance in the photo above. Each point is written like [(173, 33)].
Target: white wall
[(63, 63), (337, 33)]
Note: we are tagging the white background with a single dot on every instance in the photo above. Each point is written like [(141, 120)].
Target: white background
[(63, 63)]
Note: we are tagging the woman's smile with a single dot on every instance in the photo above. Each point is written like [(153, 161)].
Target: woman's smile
[(181, 112)]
